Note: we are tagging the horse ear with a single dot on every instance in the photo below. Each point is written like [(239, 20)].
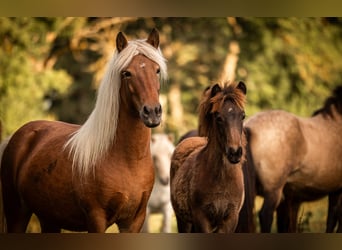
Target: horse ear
[(242, 87), (153, 38), (215, 89), (121, 42)]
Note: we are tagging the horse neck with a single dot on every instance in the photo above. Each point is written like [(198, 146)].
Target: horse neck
[(132, 136), (215, 158)]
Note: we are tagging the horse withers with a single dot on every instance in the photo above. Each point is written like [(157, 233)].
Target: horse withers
[(86, 178), (161, 149), (207, 188)]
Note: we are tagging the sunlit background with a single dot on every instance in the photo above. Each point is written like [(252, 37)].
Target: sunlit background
[(51, 67)]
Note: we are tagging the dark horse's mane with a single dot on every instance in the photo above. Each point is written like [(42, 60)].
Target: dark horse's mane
[(334, 100), (210, 104)]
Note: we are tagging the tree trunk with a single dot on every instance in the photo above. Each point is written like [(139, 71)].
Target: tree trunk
[(176, 108), (229, 67)]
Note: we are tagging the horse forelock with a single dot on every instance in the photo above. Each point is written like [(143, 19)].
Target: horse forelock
[(333, 101), (213, 104), (91, 142)]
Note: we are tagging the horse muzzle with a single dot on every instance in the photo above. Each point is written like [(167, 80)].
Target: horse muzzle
[(234, 155), (151, 116)]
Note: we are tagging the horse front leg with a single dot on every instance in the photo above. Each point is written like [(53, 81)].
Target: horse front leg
[(287, 215), (230, 223), (271, 202), (201, 223), (135, 223), (334, 213), (47, 227), (132, 225), (16, 215), (183, 226), (96, 221), (146, 225), (167, 218)]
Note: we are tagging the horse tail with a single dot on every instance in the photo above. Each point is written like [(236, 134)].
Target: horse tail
[(247, 223), (3, 228)]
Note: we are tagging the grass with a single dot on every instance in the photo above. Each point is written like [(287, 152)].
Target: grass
[(312, 216)]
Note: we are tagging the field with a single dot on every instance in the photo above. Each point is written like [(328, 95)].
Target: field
[(312, 219), (312, 216)]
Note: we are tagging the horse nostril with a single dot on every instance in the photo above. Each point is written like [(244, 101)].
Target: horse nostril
[(234, 155), (239, 152), (158, 110), (146, 111), (151, 116)]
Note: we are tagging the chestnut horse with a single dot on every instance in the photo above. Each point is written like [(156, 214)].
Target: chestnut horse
[(207, 189), (85, 178), (297, 159)]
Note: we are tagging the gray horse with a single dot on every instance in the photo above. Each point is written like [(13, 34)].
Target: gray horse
[(159, 202)]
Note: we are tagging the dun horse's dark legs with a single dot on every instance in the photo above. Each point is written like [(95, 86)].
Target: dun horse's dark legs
[(334, 213), (287, 215), (332, 217), (271, 202)]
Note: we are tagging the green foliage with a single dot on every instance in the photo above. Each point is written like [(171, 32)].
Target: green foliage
[(287, 63), (291, 63), (23, 81)]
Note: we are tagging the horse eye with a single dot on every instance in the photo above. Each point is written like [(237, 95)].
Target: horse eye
[(158, 71), (219, 119), (126, 74), (243, 116)]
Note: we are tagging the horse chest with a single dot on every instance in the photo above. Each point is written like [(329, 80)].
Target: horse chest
[(215, 206)]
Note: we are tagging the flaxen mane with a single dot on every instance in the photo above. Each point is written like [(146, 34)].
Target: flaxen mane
[(92, 141), (334, 100)]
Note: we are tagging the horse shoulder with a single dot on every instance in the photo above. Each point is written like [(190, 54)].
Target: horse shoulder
[(277, 145), (183, 150)]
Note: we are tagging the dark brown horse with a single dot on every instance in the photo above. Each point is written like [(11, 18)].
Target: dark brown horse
[(207, 188), (85, 178), (296, 159)]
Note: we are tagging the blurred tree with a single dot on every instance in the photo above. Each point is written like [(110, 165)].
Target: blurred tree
[(23, 79), (290, 63), (287, 63)]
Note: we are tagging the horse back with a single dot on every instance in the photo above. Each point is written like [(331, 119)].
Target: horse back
[(26, 145), (322, 164), (183, 150)]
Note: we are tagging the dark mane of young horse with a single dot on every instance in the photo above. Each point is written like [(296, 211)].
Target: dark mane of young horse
[(209, 105), (334, 100)]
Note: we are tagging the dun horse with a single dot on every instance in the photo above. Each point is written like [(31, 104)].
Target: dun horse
[(207, 188), (296, 159), (159, 202), (85, 178)]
